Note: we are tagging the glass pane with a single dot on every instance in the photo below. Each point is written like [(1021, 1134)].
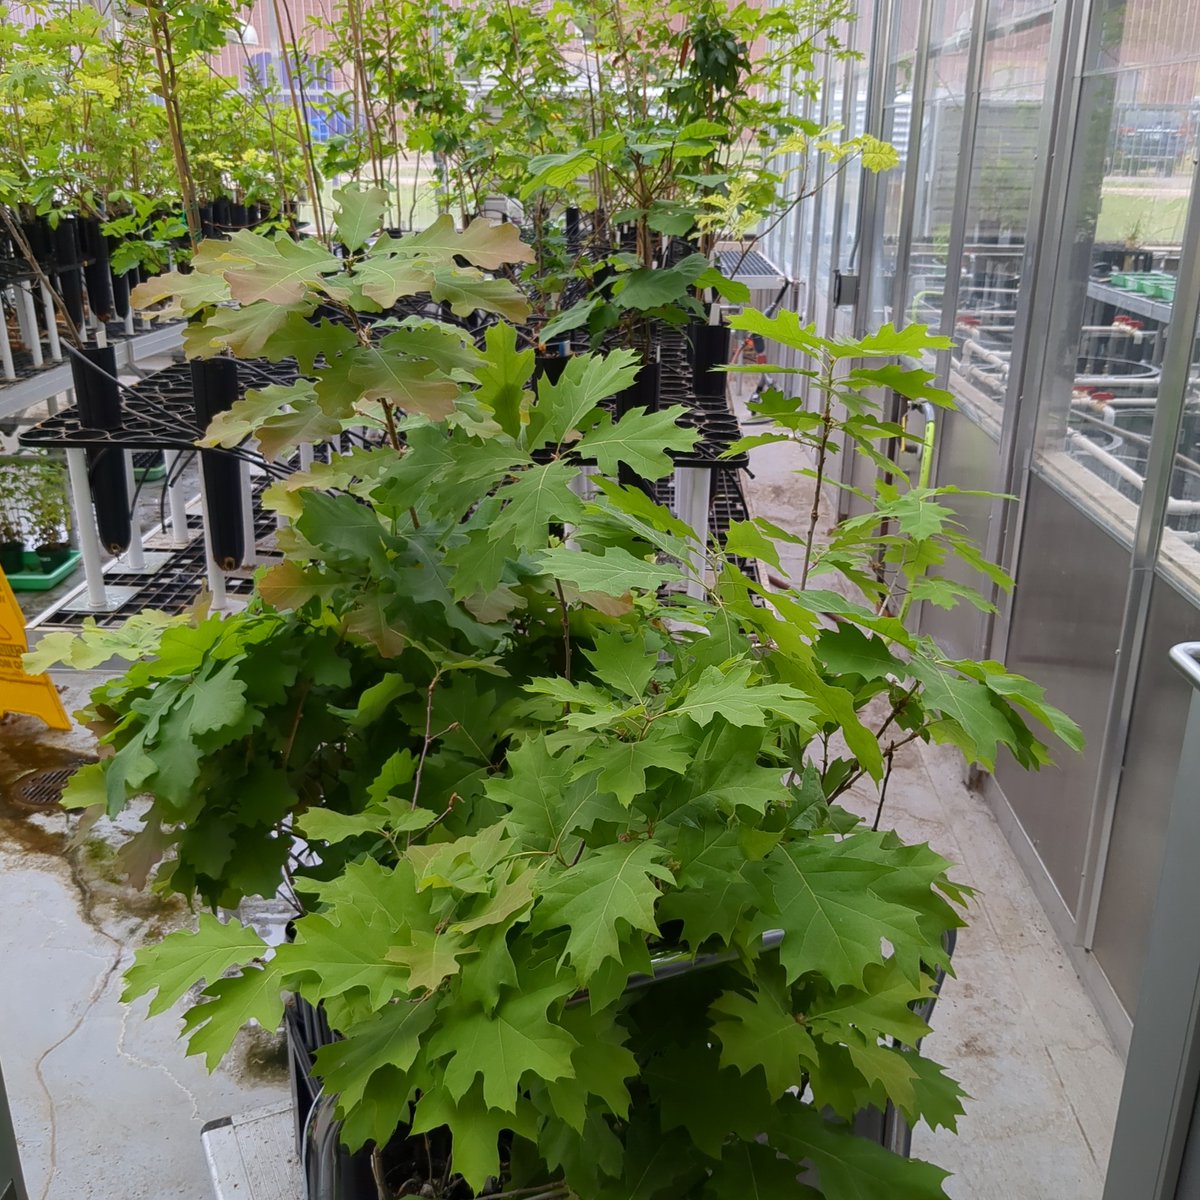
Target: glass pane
[(941, 140), (1114, 301), (897, 122), (993, 273), (1130, 33)]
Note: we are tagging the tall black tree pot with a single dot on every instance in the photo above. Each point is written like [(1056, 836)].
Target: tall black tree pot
[(96, 273), (67, 256), (214, 389), (710, 351), (99, 401)]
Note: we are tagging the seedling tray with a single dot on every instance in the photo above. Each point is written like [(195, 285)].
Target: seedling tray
[(34, 579)]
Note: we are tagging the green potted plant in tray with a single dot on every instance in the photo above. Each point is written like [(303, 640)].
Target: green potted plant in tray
[(572, 881), (49, 513), (12, 519)]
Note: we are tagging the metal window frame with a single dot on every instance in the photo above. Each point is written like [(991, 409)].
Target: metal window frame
[(1151, 522)]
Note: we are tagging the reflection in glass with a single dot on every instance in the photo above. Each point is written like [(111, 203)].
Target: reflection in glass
[(940, 143), (1133, 181), (994, 274)]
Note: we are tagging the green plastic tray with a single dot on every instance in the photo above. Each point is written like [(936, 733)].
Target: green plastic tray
[(34, 579)]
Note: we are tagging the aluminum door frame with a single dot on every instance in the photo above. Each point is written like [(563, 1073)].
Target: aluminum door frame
[(1153, 1156)]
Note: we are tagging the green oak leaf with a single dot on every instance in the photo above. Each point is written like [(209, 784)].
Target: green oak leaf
[(389, 1038), (227, 1006), (833, 922), (475, 1128), (301, 339), (359, 214), (850, 1167), (639, 440), (183, 958), (483, 243), (412, 386), (615, 572), (277, 270), (537, 497), (501, 1048), (610, 891), (762, 1032)]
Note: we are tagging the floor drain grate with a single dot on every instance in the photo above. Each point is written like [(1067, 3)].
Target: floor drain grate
[(43, 789)]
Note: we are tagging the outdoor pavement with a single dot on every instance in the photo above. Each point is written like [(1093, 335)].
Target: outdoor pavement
[(106, 1105)]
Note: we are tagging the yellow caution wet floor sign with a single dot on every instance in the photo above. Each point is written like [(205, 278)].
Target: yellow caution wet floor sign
[(34, 695)]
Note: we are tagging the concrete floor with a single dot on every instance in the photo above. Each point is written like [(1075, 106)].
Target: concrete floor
[(104, 1102), (107, 1106)]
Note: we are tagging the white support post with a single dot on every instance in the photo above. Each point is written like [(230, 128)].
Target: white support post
[(130, 330), (29, 326), (85, 528), (6, 358), (176, 500), (692, 489), (216, 577), (250, 556), (306, 456), (135, 554), (51, 317)]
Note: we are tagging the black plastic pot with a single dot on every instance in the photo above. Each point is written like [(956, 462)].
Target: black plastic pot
[(120, 293), (37, 235), (238, 216), (222, 214), (549, 366), (98, 399), (214, 389), (572, 225), (53, 556), (12, 557), (96, 273), (710, 350), (67, 256), (206, 220)]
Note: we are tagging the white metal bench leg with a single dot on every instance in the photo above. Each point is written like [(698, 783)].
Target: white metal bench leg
[(693, 486), (6, 358), (85, 528), (176, 500), (135, 555), (29, 325)]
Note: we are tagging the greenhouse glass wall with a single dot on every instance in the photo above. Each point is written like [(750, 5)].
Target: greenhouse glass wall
[(1044, 219)]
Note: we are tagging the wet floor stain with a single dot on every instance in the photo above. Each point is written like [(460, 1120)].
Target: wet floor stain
[(27, 748)]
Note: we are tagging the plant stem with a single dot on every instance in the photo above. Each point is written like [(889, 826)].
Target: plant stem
[(160, 36), (827, 425), (887, 775)]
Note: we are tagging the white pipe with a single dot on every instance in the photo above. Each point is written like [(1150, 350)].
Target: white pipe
[(176, 500), (34, 339), (85, 528), (692, 487), (129, 327), (250, 557), (306, 456), (51, 324), (216, 578), (1178, 508), (135, 555), (6, 358)]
